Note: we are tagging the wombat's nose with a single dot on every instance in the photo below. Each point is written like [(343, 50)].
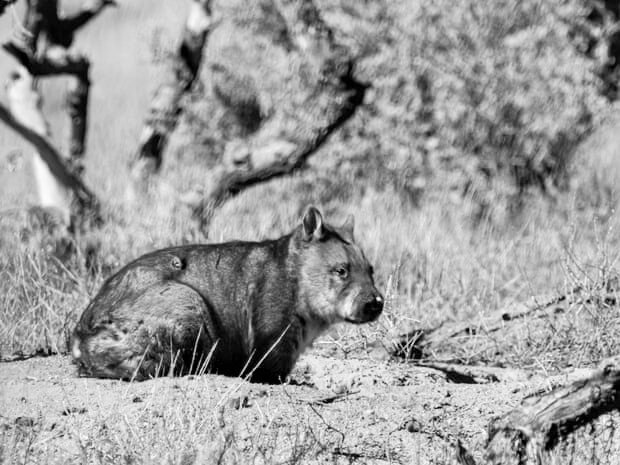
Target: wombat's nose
[(373, 309)]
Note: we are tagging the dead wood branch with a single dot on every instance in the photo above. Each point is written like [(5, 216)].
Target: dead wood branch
[(523, 435), (40, 47), (20, 356), (331, 101), (474, 374), (165, 106), (70, 24), (416, 343), (53, 62), (42, 17), (57, 61), (4, 4), (26, 119), (336, 114), (419, 343), (325, 400)]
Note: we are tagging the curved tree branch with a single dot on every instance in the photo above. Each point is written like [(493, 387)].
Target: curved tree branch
[(50, 63), (332, 100), (4, 4), (54, 161), (344, 108)]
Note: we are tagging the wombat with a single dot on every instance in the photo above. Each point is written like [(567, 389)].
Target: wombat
[(241, 308)]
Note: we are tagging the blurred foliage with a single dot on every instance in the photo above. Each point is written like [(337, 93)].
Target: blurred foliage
[(470, 100), (513, 98)]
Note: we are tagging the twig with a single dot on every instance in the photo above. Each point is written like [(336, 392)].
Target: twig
[(328, 399)]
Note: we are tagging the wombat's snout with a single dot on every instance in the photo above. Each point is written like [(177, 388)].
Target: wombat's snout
[(373, 308)]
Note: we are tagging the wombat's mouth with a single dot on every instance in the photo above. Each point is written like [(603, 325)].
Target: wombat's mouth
[(362, 320), (370, 312)]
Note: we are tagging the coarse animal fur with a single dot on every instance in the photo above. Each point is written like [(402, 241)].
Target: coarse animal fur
[(242, 308)]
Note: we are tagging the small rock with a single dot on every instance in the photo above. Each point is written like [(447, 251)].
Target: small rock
[(71, 410), (413, 426)]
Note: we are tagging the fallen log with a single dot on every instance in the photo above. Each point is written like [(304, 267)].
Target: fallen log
[(524, 435)]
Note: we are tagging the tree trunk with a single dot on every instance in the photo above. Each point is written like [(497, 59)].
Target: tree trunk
[(4, 4), (165, 106), (55, 183), (77, 103), (332, 99), (57, 178)]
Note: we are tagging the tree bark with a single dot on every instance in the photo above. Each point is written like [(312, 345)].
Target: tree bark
[(40, 47), (77, 104), (55, 182), (4, 4), (525, 434), (345, 100), (332, 100), (41, 18), (52, 62), (165, 106), (57, 61)]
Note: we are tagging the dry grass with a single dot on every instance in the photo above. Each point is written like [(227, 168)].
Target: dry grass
[(192, 422)]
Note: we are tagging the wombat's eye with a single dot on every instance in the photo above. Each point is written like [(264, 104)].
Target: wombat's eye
[(342, 271)]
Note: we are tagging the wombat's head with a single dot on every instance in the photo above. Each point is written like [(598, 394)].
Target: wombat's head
[(336, 280)]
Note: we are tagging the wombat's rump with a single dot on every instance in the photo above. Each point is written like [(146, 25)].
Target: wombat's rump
[(238, 308)]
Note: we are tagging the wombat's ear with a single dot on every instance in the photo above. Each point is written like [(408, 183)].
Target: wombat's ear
[(313, 224), (348, 226)]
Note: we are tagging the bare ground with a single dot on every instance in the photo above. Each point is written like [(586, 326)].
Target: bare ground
[(333, 410)]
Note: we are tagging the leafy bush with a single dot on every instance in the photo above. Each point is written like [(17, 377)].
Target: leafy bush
[(513, 98), (484, 100)]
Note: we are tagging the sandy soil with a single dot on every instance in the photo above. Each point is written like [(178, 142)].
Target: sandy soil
[(362, 409)]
